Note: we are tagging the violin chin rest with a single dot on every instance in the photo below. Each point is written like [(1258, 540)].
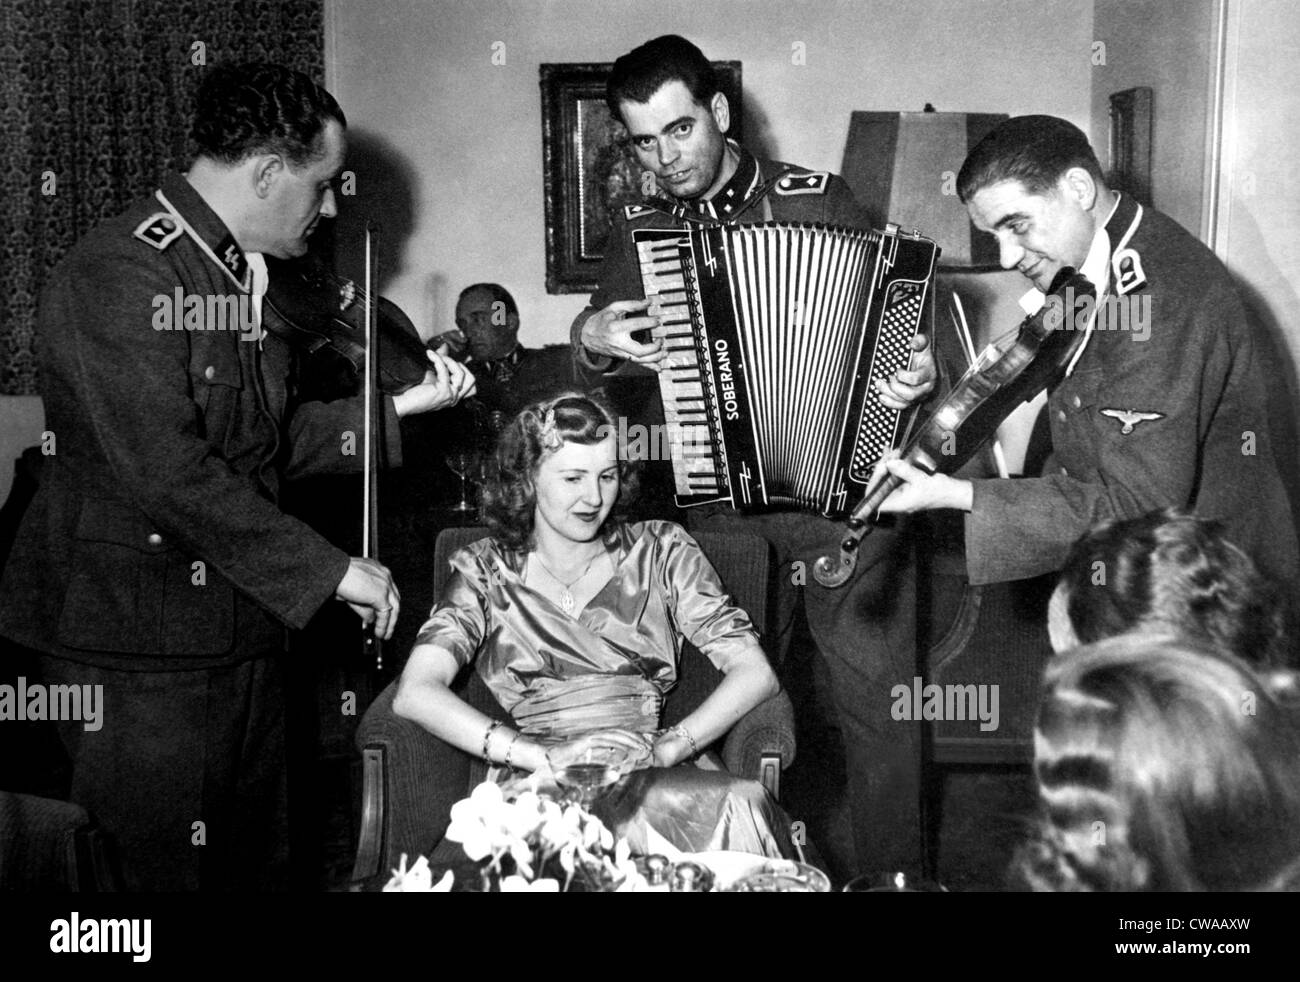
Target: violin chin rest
[(831, 572)]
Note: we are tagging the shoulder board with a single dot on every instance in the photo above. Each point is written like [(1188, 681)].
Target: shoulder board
[(159, 230), (813, 182), (636, 211)]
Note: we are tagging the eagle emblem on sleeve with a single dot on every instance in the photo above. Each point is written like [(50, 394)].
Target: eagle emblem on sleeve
[(1130, 418)]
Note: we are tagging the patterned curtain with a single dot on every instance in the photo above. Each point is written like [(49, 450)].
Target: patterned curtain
[(95, 98)]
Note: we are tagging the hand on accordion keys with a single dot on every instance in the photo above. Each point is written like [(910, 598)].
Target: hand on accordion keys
[(907, 386), (609, 332)]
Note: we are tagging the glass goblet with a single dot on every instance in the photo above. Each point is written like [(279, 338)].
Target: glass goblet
[(461, 462), (586, 771), (893, 881)]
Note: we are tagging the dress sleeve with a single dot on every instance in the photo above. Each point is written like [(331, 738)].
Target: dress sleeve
[(459, 619), (698, 603)]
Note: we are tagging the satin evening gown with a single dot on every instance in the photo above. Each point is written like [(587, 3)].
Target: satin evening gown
[(560, 675)]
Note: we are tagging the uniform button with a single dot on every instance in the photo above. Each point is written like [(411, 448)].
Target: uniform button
[(1077, 402), (155, 539), (1060, 414), (210, 373)]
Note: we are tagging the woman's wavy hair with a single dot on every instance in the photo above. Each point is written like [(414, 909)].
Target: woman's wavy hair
[(1164, 765), (1170, 572), (509, 498)]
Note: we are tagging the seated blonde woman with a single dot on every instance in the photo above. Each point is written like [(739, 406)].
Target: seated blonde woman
[(1164, 764), (575, 621)]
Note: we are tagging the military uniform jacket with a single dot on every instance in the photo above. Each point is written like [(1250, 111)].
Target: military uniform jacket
[(801, 196), (155, 532), (1177, 418)]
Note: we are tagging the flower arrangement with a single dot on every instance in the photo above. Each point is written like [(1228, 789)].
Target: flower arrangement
[(529, 844)]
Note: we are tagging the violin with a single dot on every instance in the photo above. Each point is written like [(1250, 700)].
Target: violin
[(335, 323), (323, 315), (1035, 358)]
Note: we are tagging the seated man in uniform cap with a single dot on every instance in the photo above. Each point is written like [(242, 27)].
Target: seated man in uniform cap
[(509, 375)]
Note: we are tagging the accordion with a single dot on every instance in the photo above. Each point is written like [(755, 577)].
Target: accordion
[(776, 333)]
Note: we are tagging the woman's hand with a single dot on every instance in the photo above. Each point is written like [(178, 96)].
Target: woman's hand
[(670, 749), (637, 746)]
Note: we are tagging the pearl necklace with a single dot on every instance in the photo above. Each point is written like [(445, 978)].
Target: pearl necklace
[(567, 603)]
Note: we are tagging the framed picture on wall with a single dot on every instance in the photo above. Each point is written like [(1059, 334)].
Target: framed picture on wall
[(589, 170), (1130, 143)]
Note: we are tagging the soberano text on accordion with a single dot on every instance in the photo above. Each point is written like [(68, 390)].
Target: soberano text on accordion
[(775, 333)]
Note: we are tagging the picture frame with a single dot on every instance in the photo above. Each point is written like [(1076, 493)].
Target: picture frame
[(589, 170), (1131, 114)]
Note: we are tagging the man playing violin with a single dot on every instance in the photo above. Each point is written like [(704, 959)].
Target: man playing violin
[(863, 635), (1173, 415), (154, 559)]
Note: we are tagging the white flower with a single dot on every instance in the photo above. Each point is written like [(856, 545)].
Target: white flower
[(594, 833), (417, 879), (532, 829), (518, 884)]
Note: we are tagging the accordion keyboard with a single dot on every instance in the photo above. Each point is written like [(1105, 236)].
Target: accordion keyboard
[(697, 471), (775, 335)]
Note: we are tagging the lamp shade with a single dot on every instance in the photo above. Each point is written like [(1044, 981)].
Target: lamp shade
[(903, 168)]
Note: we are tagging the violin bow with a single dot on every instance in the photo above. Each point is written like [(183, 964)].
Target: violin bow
[(371, 645)]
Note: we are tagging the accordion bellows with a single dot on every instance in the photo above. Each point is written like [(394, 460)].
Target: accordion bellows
[(776, 333)]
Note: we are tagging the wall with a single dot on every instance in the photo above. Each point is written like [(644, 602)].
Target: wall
[(464, 136), (1256, 211), (456, 140), (1168, 46)]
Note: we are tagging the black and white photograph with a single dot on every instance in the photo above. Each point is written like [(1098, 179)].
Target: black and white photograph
[(591, 446)]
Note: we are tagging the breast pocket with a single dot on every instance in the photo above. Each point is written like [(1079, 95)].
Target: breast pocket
[(1074, 415), (132, 591), (216, 379)]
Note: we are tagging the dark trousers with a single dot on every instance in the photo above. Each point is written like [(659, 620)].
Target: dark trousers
[(186, 773), (865, 637)]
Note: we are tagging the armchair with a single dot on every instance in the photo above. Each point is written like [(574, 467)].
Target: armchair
[(49, 846), (410, 778)]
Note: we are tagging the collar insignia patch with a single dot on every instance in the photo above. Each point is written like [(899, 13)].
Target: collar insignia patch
[(159, 230), (815, 182), (232, 257), (1127, 265), (1130, 418)]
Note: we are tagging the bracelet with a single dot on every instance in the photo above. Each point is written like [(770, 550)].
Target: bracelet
[(487, 737), (685, 734), (510, 750)]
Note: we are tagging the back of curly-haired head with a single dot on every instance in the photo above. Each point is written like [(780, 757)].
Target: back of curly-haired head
[(509, 499), (1169, 571), (259, 107), (1163, 764)]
